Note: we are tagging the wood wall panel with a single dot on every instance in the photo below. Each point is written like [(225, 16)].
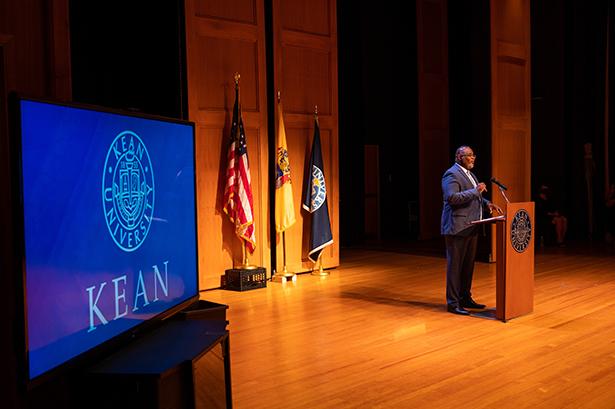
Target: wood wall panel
[(60, 85), (433, 33), (34, 61), (38, 52), (305, 73), (214, 92), (512, 98), (509, 141), (433, 153), (435, 102), (308, 16), (312, 70), (223, 38), (510, 102), (231, 10), (512, 19)]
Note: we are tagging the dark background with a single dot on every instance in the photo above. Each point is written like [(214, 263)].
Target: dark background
[(131, 61), (568, 56)]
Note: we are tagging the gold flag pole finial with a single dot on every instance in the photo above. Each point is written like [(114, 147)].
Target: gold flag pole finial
[(236, 76), (278, 97)]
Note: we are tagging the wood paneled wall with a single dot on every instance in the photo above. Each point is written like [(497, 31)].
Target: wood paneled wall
[(34, 61), (224, 37), (511, 156), (433, 155), (37, 47), (305, 73), (510, 98)]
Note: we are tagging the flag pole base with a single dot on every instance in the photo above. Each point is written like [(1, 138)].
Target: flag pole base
[(284, 276), (246, 267), (281, 278), (319, 271)]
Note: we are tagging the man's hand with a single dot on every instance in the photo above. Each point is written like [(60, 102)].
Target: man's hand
[(493, 206), (481, 187)]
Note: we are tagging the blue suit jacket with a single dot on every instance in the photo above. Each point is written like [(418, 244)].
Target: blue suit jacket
[(462, 202)]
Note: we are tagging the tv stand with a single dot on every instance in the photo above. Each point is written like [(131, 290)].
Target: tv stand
[(182, 364)]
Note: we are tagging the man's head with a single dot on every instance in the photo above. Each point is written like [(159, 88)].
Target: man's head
[(465, 157)]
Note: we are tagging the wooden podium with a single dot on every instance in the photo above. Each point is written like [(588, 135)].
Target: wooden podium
[(514, 260)]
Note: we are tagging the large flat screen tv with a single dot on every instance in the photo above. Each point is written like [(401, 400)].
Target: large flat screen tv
[(109, 226)]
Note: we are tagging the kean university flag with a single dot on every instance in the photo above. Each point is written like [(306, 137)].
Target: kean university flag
[(315, 200)]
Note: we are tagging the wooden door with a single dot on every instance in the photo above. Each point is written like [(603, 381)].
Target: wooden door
[(224, 37), (305, 73)]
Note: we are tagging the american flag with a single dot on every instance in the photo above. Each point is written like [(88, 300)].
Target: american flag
[(238, 203)]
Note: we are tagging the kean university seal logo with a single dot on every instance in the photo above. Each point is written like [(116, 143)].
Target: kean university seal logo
[(128, 191), (319, 190), (520, 231)]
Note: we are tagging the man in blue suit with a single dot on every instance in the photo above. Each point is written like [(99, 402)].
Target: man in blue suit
[(463, 203)]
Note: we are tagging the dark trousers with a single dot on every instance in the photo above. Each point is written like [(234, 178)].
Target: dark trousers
[(460, 254)]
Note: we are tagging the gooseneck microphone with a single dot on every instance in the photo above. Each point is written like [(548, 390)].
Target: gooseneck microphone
[(501, 186)]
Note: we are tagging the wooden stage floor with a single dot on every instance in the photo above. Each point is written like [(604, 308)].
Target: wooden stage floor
[(375, 334)]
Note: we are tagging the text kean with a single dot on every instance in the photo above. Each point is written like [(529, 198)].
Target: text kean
[(113, 296)]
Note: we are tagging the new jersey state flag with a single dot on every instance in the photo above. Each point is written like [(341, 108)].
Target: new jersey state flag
[(315, 200), (284, 207)]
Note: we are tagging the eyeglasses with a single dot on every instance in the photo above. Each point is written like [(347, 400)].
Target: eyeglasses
[(470, 155)]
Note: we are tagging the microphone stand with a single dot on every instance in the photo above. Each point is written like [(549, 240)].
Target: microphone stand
[(503, 194)]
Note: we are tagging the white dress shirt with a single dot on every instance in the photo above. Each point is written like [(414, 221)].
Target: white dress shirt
[(469, 175)]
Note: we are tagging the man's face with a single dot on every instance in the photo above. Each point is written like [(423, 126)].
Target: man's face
[(466, 158)]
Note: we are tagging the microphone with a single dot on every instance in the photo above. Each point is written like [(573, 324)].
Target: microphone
[(501, 186)]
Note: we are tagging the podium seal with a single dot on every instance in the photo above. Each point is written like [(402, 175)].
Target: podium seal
[(520, 231)]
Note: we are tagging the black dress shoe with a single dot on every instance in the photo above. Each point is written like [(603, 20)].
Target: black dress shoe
[(457, 310), (472, 304)]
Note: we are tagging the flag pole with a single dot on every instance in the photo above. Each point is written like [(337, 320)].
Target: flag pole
[(284, 275), (285, 270), (245, 263)]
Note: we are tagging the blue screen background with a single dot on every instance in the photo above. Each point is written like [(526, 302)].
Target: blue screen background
[(68, 246)]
